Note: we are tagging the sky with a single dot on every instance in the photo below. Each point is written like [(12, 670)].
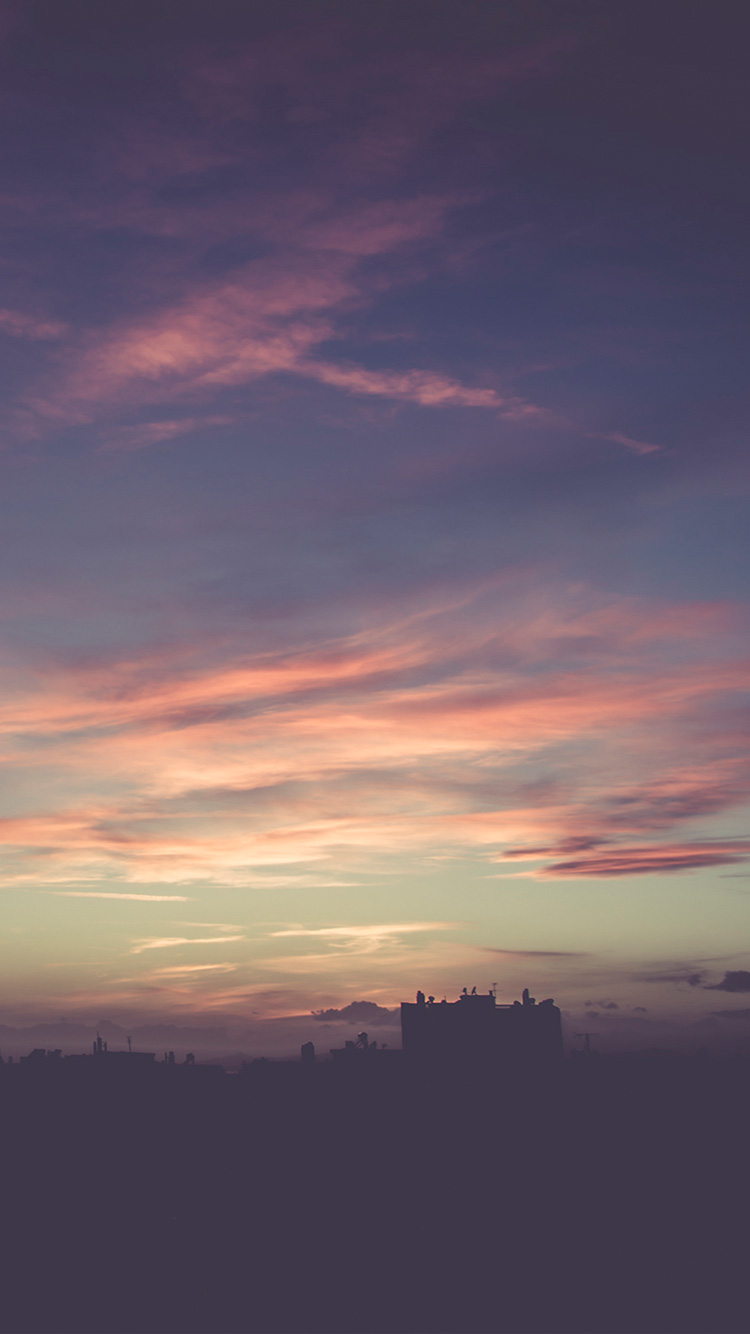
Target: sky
[(373, 555)]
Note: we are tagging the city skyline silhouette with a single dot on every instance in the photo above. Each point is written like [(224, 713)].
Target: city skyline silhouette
[(458, 1183)]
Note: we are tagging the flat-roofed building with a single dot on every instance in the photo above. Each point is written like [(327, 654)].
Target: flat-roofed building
[(476, 1029)]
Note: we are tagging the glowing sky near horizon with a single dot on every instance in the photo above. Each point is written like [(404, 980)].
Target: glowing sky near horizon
[(373, 549)]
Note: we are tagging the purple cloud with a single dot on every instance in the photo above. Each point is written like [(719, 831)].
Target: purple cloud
[(733, 981)]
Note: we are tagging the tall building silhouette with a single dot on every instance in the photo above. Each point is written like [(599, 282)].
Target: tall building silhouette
[(476, 1030)]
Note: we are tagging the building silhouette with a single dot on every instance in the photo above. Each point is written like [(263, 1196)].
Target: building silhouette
[(476, 1030), (357, 1050), (101, 1053)]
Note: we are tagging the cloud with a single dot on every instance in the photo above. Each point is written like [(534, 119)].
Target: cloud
[(216, 926), (188, 969), (310, 251), (124, 439), (367, 932), (21, 325), (381, 227), (364, 939), (169, 942), (656, 859), (236, 333), (108, 894), (732, 981), (426, 388), (324, 252), (638, 446), (679, 975), (732, 1014), (359, 1012), (412, 734), (534, 954)]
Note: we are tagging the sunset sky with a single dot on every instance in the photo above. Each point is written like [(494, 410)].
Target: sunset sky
[(374, 525)]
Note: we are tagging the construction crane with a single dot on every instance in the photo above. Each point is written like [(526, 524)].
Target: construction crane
[(587, 1037)]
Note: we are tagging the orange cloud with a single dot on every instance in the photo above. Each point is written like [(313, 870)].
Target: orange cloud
[(185, 970), (413, 736), (108, 894), (171, 942)]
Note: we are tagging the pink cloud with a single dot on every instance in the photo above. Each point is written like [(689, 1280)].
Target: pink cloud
[(422, 387), (315, 232), (378, 228), (269, 319), (19, 324), (185, 970), (638, 446), (391, 739), (269, 324), (458, 708), (124, 439)]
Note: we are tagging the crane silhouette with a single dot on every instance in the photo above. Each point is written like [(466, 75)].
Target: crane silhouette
[(587, 1037)]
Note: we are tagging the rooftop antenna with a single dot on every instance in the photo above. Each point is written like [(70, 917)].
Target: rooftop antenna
[(494, 989), (130, 1044)]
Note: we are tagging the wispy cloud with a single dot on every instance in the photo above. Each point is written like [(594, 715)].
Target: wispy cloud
[(637, 446), (367, 932), (110, 894), (394, 738), (188, 969), (233, 334), (20, 324), (534, 954), (655, 859), (170, 942), (685, 976), (365, 939), (123, 439)]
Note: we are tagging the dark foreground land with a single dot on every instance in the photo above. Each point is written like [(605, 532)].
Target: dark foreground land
[(610, 1196)]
